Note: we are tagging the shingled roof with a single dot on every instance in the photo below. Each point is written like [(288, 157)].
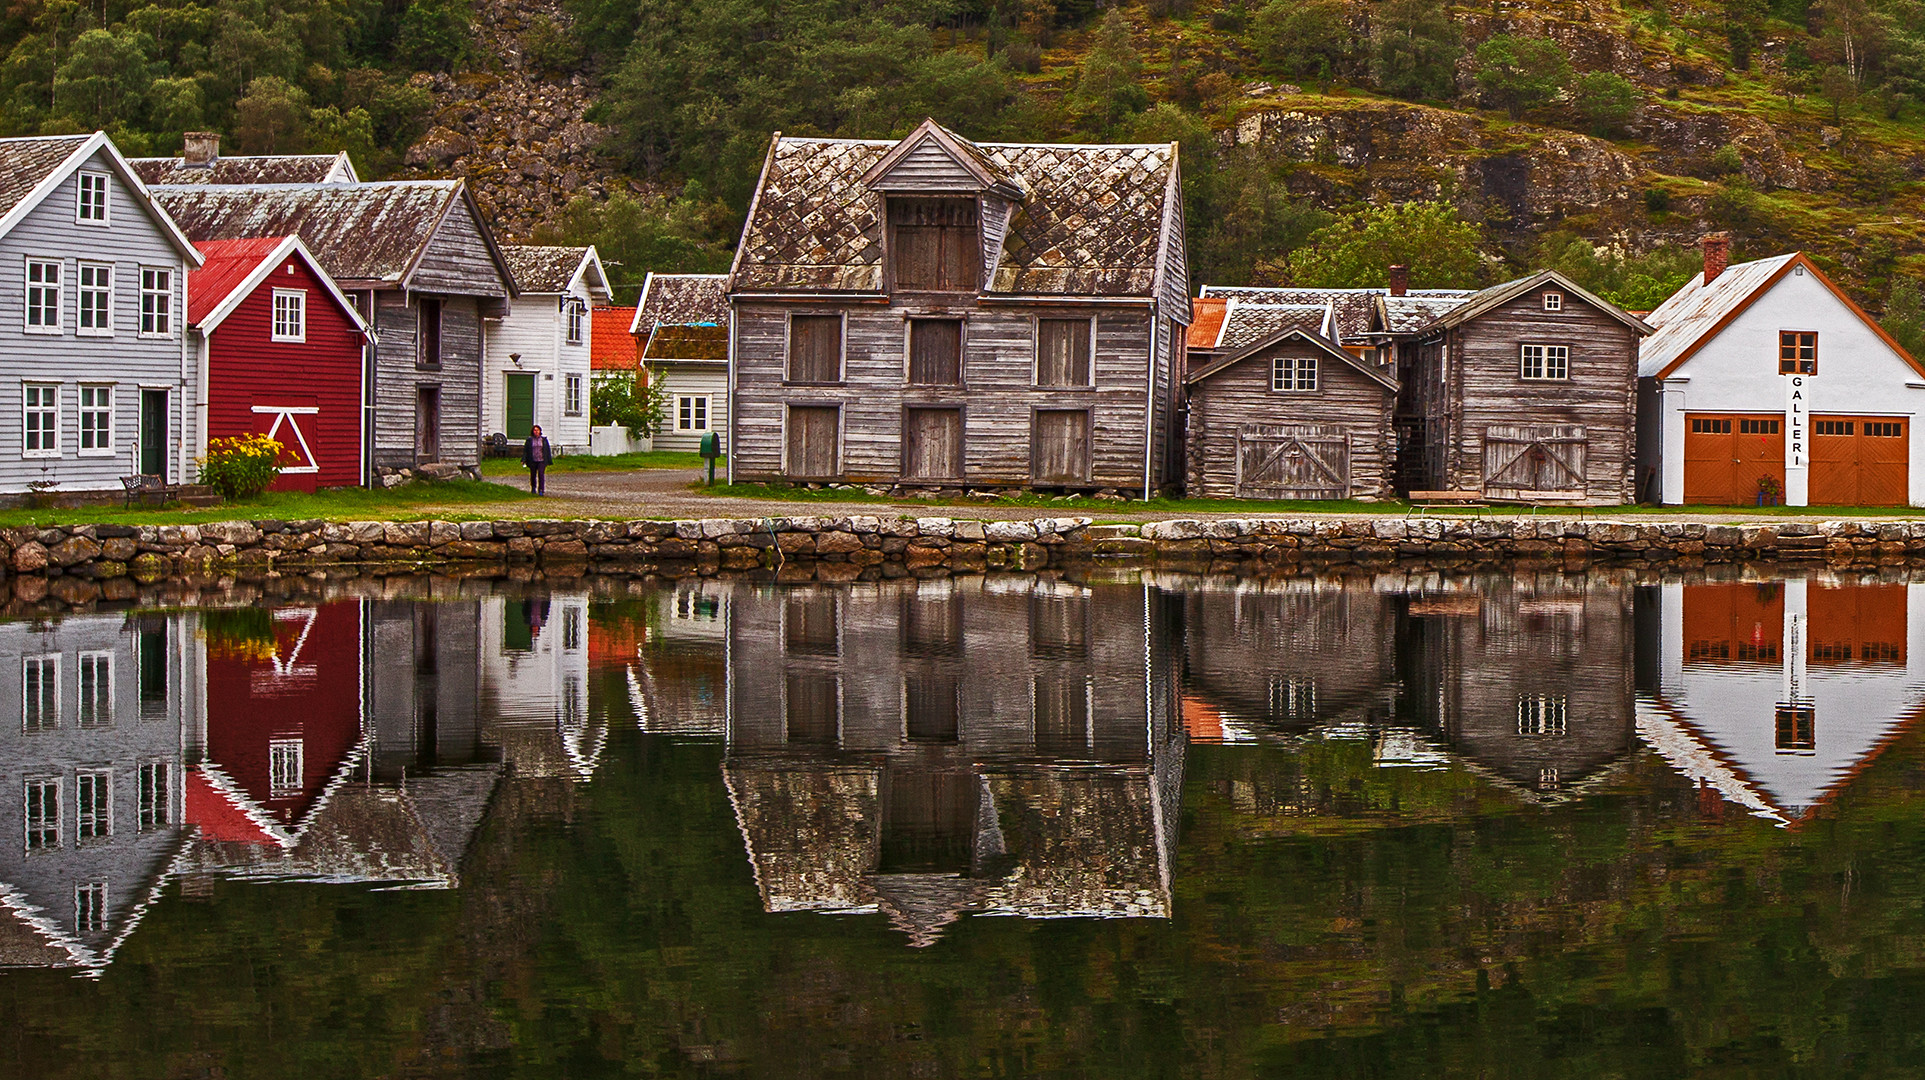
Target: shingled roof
[(264, 169), (31, 168), (1354, 307), (24, 163), (1409, 314), (1244, 323), (610, 346), (682, 300), (550, 269), (1089, 220)]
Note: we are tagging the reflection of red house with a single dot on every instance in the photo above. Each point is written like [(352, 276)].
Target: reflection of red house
[(282, 723), (282, 355), (615, 641)]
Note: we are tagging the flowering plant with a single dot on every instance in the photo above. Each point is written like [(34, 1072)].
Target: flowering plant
[(242, 466), (1770, 488)]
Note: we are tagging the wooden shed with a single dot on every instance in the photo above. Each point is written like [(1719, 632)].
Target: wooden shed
[(1292, 415), (932, 312)]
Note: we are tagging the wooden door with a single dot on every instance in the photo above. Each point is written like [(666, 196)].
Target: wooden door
[(1734, 623), (427, 423), (1726, 454), (153, 433), (815, 434), (1860, 461), (1059, 452), (1276, 461), (519, 416), (1525, 460), (932, 444)]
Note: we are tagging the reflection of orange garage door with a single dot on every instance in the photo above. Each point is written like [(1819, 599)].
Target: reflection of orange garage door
[(1731, 622), (1726, 454), (1859, 460), (1857, 622)]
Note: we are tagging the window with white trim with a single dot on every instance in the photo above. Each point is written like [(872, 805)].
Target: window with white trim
[(43, 296), (284, 767), (692, 413), (96, 421), (1293, 373), (156, 301), (1542, 714), (1553, 301), (96, 689), (40, 427), (40, 693), (90, 907), (90, 203), (572, 395), (93, 804), (577, 313), (152, 804), (95, 291), (1545, 362), (290, 315), (43, 813)]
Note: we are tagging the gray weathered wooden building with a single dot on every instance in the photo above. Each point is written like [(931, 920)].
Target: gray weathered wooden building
[(415, 254), (938, 313)]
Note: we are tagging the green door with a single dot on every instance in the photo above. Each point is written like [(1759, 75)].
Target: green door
[(521, 405), (153, 433)]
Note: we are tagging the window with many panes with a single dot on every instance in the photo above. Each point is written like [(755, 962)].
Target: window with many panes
[(91, 204), (1062, 352), (95, 294), (43, 296), (97, 420), (1545, 362), (151, 804), (1700, 426), (90, 907), (43, 813), (95, 707), (577, 317), (1884, 429), (1293, 373), (571, 398), (1832, 427), (156, 301), (1541, 714), (93, 804), (815, 348), (290, 315), (284, 767), (1797, 352), (40, 693), (572, 619), (692, 413), (40, 427), (1754, 427), (1553, 301)]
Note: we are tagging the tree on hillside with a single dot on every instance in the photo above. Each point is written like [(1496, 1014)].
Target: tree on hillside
[(1521, 73), (1605, 99), (1742, 22), (1109, 84), (1440, 247), (1633, 281), (1414, 49), (1304, 39), (682, 235)]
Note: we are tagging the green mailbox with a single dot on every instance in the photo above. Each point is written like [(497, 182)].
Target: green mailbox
[(711, 449)]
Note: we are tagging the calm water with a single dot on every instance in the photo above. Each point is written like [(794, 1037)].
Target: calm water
[(1370, 825)]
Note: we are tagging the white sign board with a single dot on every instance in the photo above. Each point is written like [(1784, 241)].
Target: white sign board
[(1797, 421)]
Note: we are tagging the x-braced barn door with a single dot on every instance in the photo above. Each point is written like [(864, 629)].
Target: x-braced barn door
[(1520, 460), (1292, 462)]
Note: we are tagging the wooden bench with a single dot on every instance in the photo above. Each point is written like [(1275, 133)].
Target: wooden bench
[(1421, 501), (144, 486)]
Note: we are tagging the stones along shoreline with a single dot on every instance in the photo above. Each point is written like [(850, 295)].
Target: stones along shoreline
[(876, 546)]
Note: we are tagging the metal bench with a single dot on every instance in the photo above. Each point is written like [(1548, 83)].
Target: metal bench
[(1423, 501), (144, 486)]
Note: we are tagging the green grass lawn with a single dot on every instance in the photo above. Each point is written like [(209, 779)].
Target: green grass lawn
[(334, 504), (655, 459)]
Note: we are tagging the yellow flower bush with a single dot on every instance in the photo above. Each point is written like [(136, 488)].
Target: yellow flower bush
[(241, 467)]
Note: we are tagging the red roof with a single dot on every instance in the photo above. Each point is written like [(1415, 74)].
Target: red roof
[(610, 346), (229, 262), (1206, 321)]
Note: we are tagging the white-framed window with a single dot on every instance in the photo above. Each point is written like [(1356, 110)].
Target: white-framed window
[(284, 767), (152, 804), (40, 426), (43, 296), (90, 201), (90, 907), (290, 315), (1293, 373), (40, 693), (43, 813), (571, 628), (1553, 301), (1542, 714), (96, 689), (1545, 362), (93, 804), (156, 301), (576, 314), (96, 421), (692, 413), (571, 401), (95, 294)]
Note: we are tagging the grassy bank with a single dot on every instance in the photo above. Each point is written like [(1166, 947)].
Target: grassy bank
[(333, 504)]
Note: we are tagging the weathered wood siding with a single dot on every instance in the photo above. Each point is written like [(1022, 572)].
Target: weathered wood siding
[(398, 377), (456, 261), (1240, 395), (1486, 389), (997, 393)]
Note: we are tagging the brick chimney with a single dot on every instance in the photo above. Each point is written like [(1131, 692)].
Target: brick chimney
[(203, 148), (1399, 279), (1717, 254)]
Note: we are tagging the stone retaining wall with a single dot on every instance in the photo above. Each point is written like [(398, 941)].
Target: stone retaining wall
[(855, 546)]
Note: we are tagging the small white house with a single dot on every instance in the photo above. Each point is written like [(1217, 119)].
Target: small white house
[(683, 322), (1765, 382), (536, 367)]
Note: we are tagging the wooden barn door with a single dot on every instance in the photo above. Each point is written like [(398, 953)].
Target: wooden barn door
[(932, 444), (427, 423), (1279, 461), (1860, 461), (814, 437), (1725, 455), (1521, 460), (1059, 453)]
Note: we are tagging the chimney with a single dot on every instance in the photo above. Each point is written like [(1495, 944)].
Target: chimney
[(1399, 279), (1717, 254), (203, 148)]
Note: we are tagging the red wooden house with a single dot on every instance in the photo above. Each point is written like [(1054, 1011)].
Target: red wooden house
[(281, 354)]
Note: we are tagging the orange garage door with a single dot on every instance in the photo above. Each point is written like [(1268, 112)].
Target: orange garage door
[(1860, 460), (1725, 455)]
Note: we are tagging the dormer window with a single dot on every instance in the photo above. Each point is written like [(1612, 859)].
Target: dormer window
[(1553, 301), (91, 205), (935, 244)]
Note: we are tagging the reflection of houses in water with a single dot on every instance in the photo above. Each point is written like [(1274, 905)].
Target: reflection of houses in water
[(1525, 679), (926, 749), (92, 713), (680, 684), (1775, 694), (534, 685)]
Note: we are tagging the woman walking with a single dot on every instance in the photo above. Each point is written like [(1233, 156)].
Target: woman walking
[(536, 454)]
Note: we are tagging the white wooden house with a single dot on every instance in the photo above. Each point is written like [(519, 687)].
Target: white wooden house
[(682, 326), (536, 366), (1764, 380)]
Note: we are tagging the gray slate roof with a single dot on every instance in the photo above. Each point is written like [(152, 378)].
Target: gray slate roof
[(264, 169), (1354, 307), (24, 163), (361, 233), (543, 269), (682, 300), (1089, 224), (1244, 323), (1408, 314)]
